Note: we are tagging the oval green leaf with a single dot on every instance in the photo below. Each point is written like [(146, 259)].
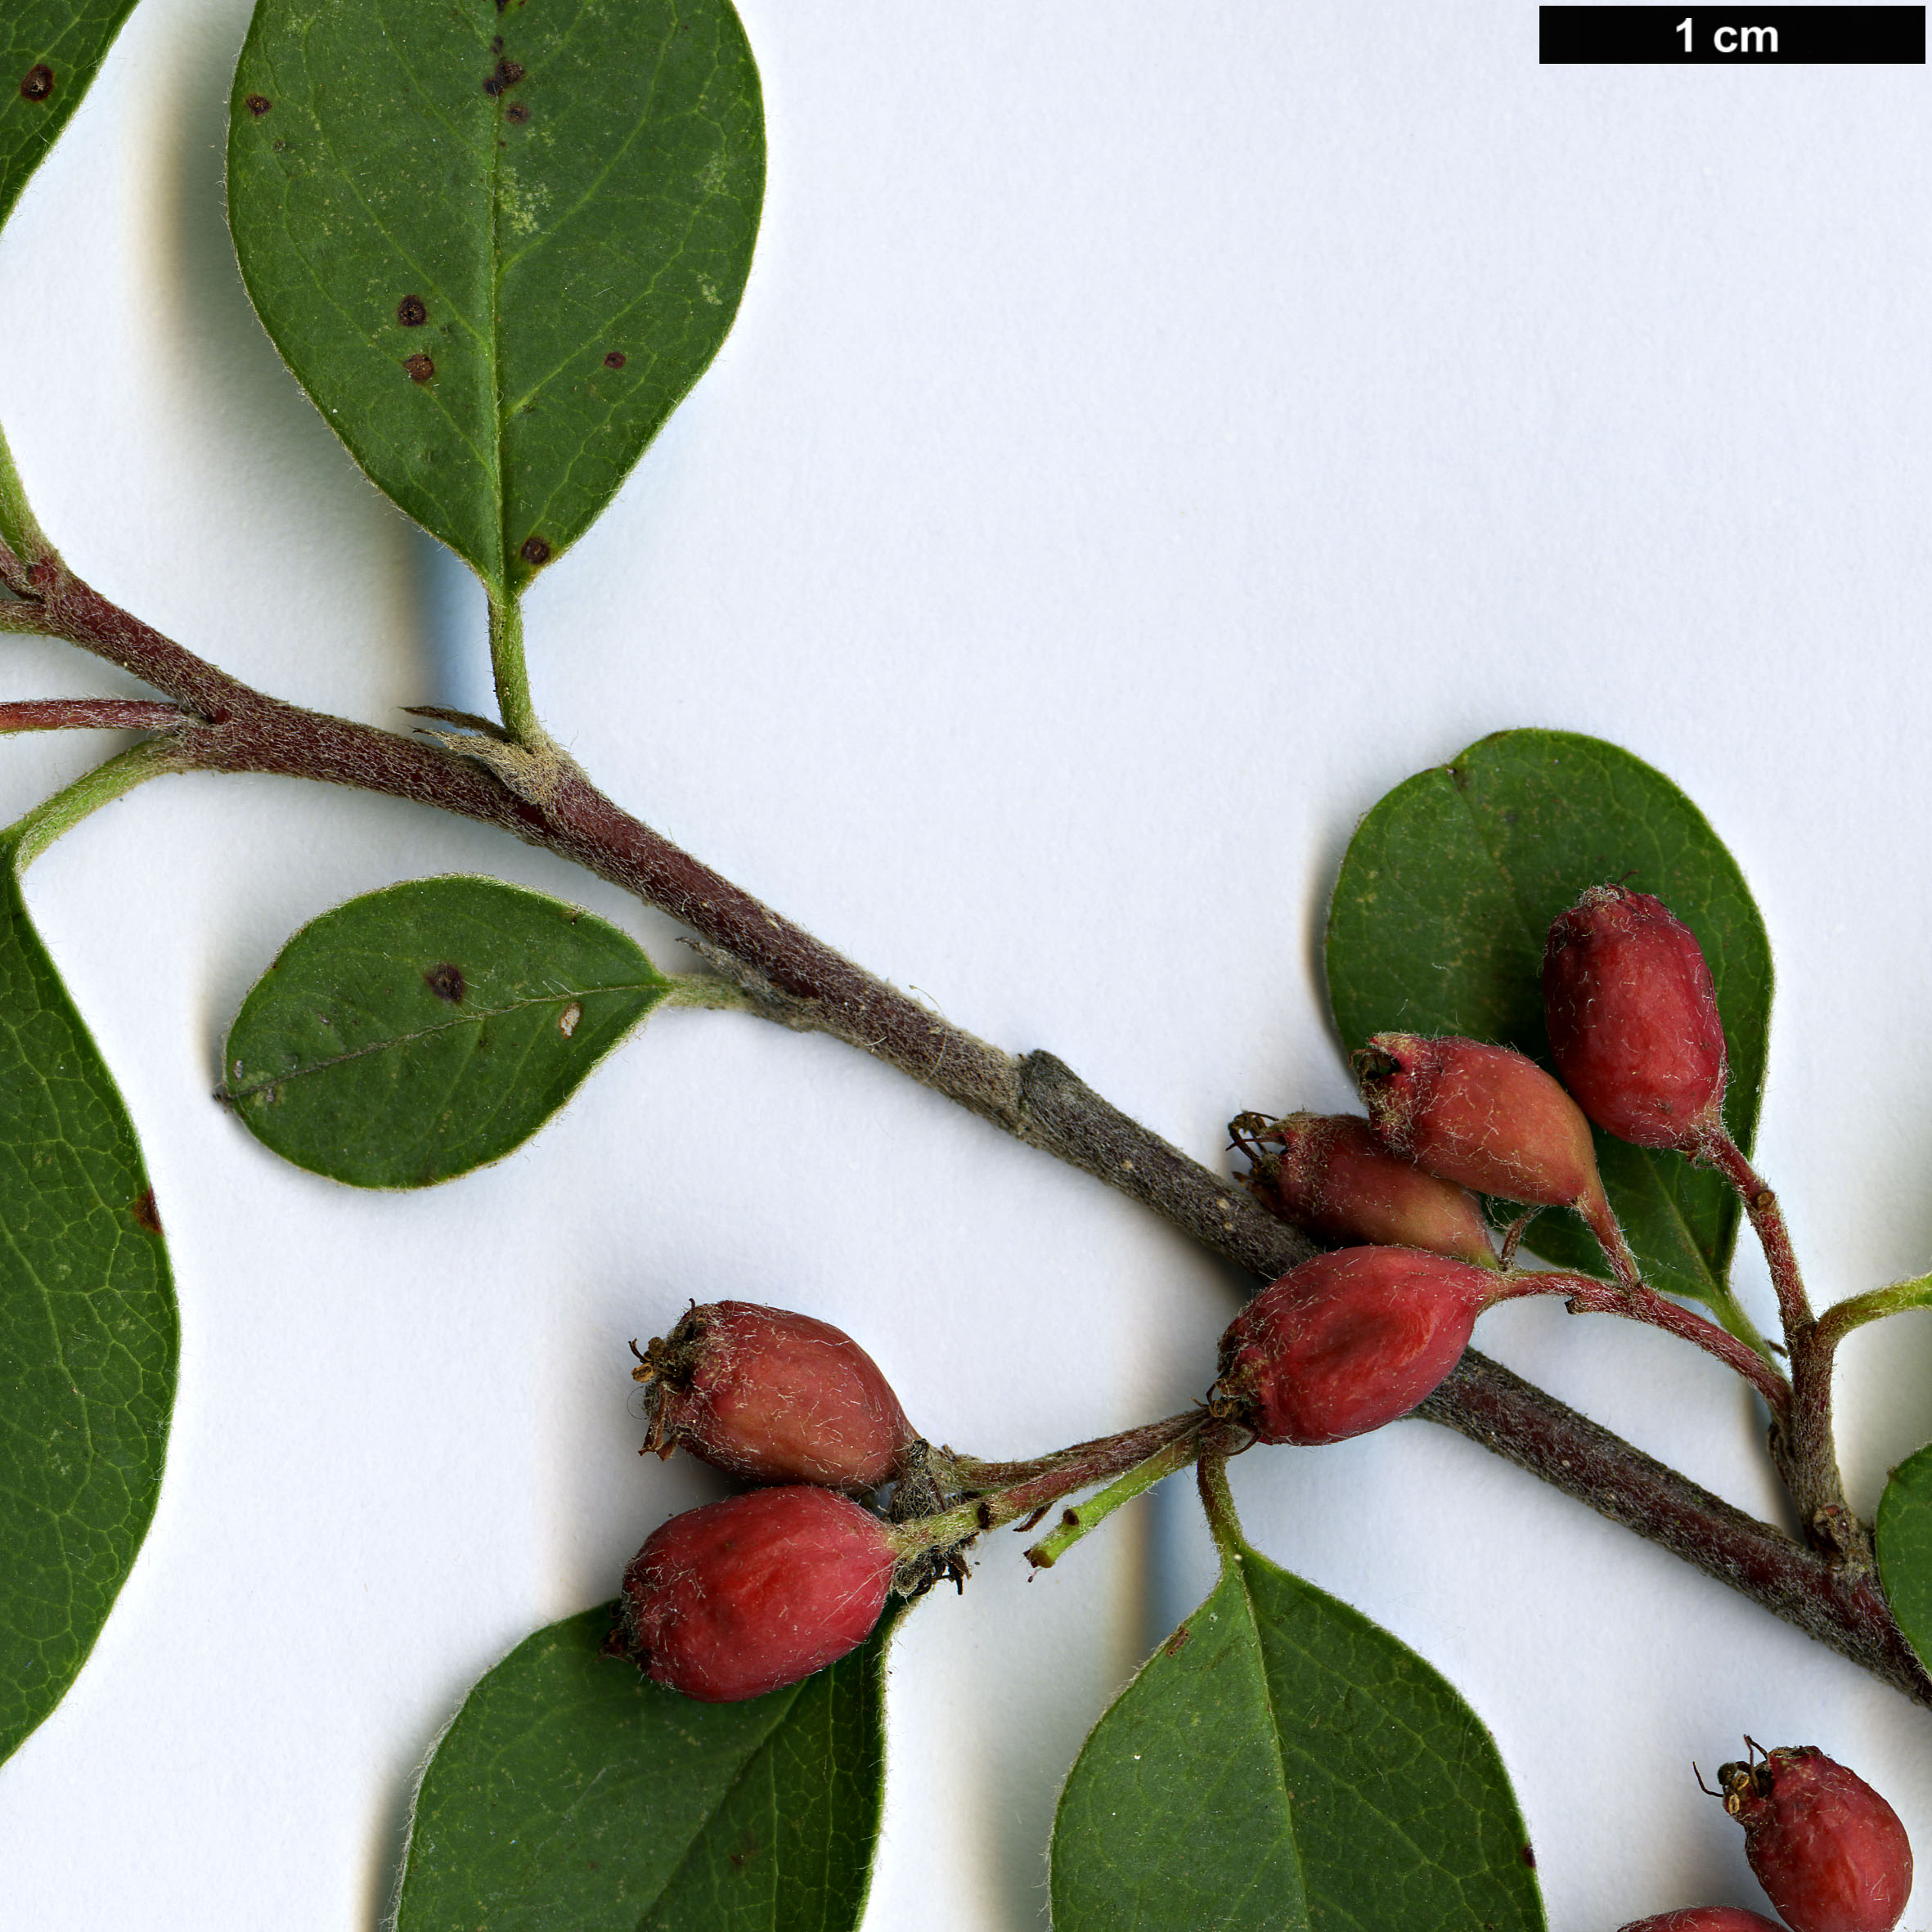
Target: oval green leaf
[(571, 1791), (1443, 902), (1905, 1549), (1282, 1765), (89, 1337), (50, 52), (423, 1031), (496, 243)]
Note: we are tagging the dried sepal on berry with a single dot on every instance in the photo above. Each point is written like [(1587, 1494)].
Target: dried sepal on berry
[(773, 1397), (1486, 1117), (1830, 1853), (1335, 1179)]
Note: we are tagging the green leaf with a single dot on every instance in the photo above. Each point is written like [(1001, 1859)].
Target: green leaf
[(571, 1793), (50, 52), (1905, 1549), (1438, 924), (496, 243), (419, 1031), (89, 1337), (1282, 1765)]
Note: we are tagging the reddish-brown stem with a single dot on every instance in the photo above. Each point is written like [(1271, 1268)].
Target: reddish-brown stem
[(1602, 1222), (1084, 1466), (1840, 1604), (1588, 1295), (1807, 1456), (90, 714), (793, 978), (1717, 1148)]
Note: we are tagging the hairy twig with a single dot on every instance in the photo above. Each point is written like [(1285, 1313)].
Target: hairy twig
[(788, 976)]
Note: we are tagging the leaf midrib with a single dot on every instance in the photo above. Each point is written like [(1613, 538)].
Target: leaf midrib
[(402, 1040)]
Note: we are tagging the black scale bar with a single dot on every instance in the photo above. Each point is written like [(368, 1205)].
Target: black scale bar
[(1734, 36)]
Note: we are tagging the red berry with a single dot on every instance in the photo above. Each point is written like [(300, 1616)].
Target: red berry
[(1484, 1116), (1705, 1918), (1634, 1022), (773, 1397), (1347, 1341), (745, 1595), (1336, 1181), (1828, 1850)]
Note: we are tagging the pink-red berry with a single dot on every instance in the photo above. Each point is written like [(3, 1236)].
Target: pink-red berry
[(1632, 1015), (747, 1595), (1484, 1116), (1828, 1850), (773, 1397), (1347, 1341), (1705, 1918), (1335, 1179)]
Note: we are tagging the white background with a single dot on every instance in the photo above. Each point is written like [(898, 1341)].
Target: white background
[(1151, 432)]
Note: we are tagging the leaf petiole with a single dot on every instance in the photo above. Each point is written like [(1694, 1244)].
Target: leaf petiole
[(1075, 1523), (31, 834)]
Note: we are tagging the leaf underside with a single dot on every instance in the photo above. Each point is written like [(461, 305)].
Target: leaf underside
[(1438, 924), (497, 240), (425, 1029), (571, 1793), (50, 52), (1282, 1765), (89, 1337), (1905, 1549)]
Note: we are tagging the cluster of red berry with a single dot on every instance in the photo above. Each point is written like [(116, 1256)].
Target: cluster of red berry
[(1352, 1339), (1828, 1850), (758, 1591), (742, 1596)]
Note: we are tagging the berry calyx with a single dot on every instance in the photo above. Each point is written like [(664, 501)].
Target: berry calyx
[(1828, 1850), (1632, 1015), (1336, 1180), (1705, 1918), (773, 1397), (757, 1591), (1346, 1342)]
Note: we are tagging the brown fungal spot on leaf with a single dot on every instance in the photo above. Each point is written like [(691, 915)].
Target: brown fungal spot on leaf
[(145, 1214), (568, 1018), (258, 104), (616, 359), (518, 111), (510, 72), (497, 44), (535, 550), (493, 86), (1174, 1643), (411, 312), (446, 982), (1528, 1855), (420, 368), (39, 83)]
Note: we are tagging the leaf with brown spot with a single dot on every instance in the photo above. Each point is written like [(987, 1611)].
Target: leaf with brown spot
[(627, 211), (422, 1032), (50, 52)]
